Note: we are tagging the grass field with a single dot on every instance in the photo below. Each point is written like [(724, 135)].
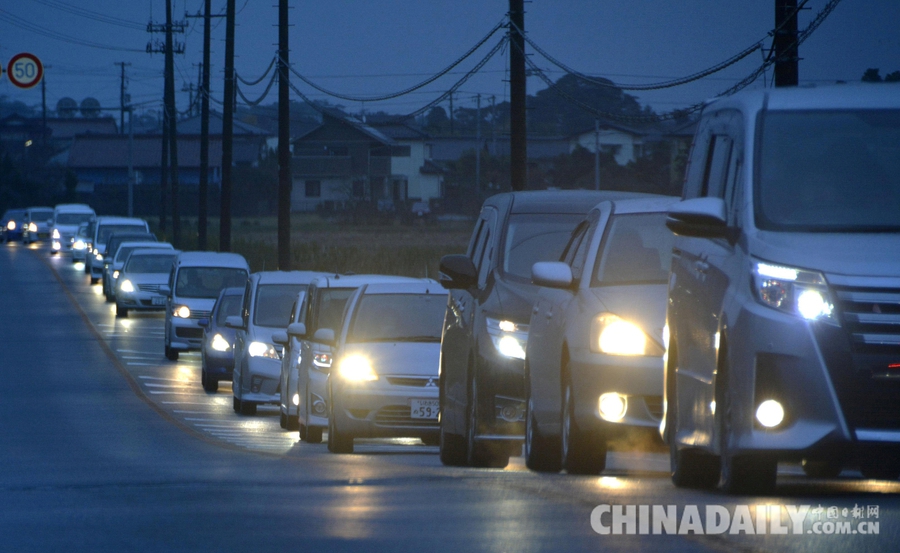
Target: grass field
[(319, 244)]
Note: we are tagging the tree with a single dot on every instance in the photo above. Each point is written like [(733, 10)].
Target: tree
[(872, 75)]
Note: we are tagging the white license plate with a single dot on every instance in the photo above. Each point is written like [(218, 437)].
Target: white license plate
[(158, 300), (424, 408)]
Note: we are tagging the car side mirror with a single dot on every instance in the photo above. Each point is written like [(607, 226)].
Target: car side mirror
[(296, 330), (552, 274), (699, 217), (280, 338), (324, 336), (457, 272), (234, 321)]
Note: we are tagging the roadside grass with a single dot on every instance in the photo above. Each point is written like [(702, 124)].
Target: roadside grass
[(319, 244)]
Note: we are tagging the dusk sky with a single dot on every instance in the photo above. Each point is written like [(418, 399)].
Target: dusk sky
[(372, 47)]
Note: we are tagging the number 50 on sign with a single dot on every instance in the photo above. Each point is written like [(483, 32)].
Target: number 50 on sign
[(25, 70)]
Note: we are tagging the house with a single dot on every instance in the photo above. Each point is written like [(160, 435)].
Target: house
[(344, 161), (625, 144)]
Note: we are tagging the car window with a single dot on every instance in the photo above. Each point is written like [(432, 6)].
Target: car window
[(580, 255), (330, 307), (637, 249), (72, 218), (103, 231), (533, 237), (207, 282), (487, 252), (273, 304), (155, 264), (476, 238), (41, 216), (230, 306), (717, 162), (398, 318), (570, 249)]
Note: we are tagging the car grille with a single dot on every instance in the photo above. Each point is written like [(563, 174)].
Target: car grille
[(399, 415), (200, 314), (148, 287), (412, 381), (189, 332), (866, 372)]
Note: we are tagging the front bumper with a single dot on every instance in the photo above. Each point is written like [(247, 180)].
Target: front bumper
[(185, 334), (638, 378), (380, 409), (501, 393), (260, 383), (219, 365), (141, 300)]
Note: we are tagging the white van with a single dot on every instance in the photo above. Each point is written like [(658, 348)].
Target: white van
[(194, 284), (66, 220)]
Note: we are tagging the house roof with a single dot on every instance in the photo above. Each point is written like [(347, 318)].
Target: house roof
[(400, 131), (105, 151), (331, 116), (191, 125), (68, 128)]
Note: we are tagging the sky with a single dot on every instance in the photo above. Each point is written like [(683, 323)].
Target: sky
[(376, 47)]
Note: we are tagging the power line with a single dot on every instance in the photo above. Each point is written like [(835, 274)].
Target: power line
[(28, 26), (88, 14)]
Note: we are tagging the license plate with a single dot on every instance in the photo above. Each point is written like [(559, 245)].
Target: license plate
[(424, 408), (158, 300)]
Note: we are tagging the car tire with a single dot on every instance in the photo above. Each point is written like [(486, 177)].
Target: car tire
[(95, 280), (690, 468), (121, 312), (822, 468), (452, 446), (291, 423), (541, 452), (171, 354), (481, 454), (236, 404), (582, 451), (338, 442), (209, 384), (311, 435)]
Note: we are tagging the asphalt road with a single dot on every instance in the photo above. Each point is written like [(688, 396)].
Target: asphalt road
[(107, 446)]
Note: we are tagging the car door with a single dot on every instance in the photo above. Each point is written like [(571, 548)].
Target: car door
[(699, 277), (241, 339), (304, 347)]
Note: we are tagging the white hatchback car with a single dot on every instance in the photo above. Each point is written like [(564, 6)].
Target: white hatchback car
[(138, 285), (387, 358), (268, 298)]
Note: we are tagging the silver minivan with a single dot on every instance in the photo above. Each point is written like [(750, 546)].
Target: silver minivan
[(784, 295), (195, 280)]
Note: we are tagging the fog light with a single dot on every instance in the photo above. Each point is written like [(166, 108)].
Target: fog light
[(613, 406), (770, 413), (256, 384), (319, 407), (296, 399)]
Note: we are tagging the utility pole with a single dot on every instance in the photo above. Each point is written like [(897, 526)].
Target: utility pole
[(164, 172), (518, 145), (493, 126), (451, 114), (596, 154), (173, 133), (203, 186), (478, 143), (122, 101), (227, 131), (785, 44), (284, 138)]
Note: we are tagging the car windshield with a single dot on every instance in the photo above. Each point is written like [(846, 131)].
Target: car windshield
[(535, 237), (14, 215), (330, 306), (155, 264), (73, 218), (123, 251), (398, 318), (829, 171), (207, 282), (273, 304), (104, 231), (637, 249), (41, 216), (229, 306)]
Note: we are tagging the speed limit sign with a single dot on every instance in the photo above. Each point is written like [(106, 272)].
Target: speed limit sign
[(25, 70)]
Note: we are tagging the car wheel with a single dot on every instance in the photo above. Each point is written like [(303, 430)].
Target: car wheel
[(583, 451), (282, 421), (209, 384), (822, 468), (171, 354), (541, 453), (121, 312), (311, 434), (453, 446), (338, 442), (291, 422), (236, 404), (481, 454), (751, 474)]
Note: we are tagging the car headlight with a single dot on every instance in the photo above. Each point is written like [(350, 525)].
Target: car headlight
[(262, 349), (613, 335), (127, 287), (219, 343), (11, 225), (181, 311), (115, 274), (56, 234), (79, 245), (321, 360), (32, 227), (796, 291), (356, 368), (508, 337)]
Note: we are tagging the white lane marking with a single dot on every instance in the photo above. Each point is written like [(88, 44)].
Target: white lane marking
[(181, 385), (136, 351), (133, 364), (144, 357), (192, 403), (147, 377), (174, 393)]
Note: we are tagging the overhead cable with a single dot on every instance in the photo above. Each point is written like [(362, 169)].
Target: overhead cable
[(260, 79)]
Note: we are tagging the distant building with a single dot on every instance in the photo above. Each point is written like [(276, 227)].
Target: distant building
[(625, 144)]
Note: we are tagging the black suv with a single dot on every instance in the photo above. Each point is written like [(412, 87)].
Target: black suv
[(482, 385)]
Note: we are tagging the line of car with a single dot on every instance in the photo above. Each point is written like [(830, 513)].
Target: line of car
[(749, 322)]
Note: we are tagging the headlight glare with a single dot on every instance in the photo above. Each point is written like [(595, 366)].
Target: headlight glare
[(219, 343), (182, 311), (795, 291), (509, 338), (356, 368), (11, 225), (56, 234), (126, 286), (613, 335), (32, 227), (78, 245), (262, 349)]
